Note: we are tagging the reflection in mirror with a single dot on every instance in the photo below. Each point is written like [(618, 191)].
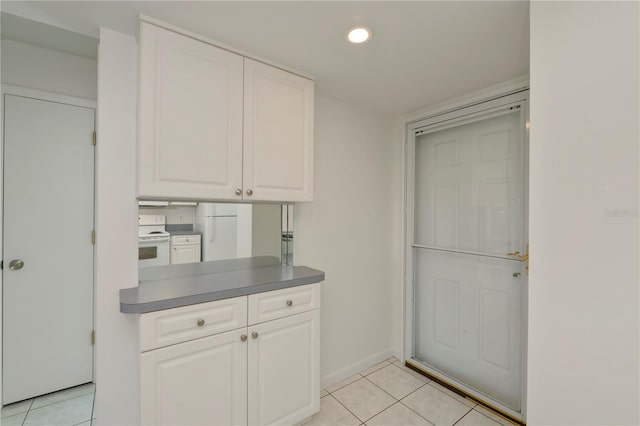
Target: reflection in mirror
[(171, 233), (287, 234)]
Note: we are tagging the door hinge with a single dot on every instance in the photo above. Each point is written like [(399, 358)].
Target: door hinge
[(94, 138), (93, 237), (1, 264), (93, 338)]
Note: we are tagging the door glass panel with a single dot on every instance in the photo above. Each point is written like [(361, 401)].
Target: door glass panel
[(469, 186), (468, 318)]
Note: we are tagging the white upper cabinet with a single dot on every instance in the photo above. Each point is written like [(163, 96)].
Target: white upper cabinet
[(278, 134), (190, 118), (215, 125)]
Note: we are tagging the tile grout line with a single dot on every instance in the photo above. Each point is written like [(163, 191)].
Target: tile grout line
[(345, 407), (463, 416), (359, 374), (51, 403), (418, 414), (27, 413), (93, 407), (394, 398)]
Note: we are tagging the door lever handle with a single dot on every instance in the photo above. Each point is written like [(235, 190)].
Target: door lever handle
[(518, 255), (524, 257)]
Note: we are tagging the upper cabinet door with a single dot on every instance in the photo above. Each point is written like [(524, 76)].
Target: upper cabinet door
[(278, 134), (190, 118)]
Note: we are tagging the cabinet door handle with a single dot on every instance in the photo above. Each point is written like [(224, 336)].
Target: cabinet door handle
[(254, 334), (200, 322), (238, 191), (249, 191), (289, 303), (243, 338)]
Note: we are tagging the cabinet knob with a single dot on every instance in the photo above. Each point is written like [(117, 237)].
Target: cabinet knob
[(289, 302), (254, 334), (200, 322), (249, 191), (238, 191), (243, 338)]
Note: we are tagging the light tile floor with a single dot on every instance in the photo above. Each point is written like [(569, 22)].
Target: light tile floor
[(69, 407), (391, 394), (384, 395)]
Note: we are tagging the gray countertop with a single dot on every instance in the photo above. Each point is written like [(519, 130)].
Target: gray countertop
[(197, 284)]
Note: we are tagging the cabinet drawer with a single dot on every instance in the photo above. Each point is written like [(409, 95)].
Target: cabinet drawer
[(185, 239), (281, 303), (170, 326)]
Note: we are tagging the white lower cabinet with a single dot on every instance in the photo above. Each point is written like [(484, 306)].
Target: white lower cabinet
[(261, 374), (284, 370), (185, 249), (200, 382)]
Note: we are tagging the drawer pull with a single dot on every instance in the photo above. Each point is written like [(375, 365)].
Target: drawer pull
[(289, 303), (254, 334), (200, 322), (243, 338)]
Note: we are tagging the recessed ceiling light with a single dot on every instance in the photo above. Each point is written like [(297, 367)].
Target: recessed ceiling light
[(358, 34)]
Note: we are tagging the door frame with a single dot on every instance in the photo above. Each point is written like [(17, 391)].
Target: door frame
[(440, 120), (7, 89)]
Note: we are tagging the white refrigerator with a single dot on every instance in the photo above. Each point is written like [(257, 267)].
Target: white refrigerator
[(224, 230)]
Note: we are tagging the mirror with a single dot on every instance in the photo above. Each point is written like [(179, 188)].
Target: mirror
[(171, 233)]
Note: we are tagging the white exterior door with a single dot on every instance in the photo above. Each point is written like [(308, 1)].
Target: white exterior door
[(190, 118), (468, 216), (200, 382), (278, 134), (47, 277), (284, 369)]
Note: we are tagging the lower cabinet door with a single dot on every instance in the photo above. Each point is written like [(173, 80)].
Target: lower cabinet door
[(200, 382), (284, 369), (185, 254)]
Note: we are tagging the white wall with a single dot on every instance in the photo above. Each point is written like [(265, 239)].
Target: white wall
[(583, 287), (175, 215), (117, 366), (50, 70), (346, 232)]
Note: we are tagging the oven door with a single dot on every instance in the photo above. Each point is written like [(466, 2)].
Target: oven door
[(153, 252)]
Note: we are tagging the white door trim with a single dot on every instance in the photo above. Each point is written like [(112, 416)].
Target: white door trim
[(7, 89), (438, 119)]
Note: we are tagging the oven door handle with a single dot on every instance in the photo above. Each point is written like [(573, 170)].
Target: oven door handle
[(152, 239)]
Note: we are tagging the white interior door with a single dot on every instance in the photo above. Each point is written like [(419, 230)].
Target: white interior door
[(469, 198), (48, 218)]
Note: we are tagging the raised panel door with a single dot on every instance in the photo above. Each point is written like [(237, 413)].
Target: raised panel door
[(469, 222), (200, 382), (284, 369), (187, 253), (278, 134), (190, 118)]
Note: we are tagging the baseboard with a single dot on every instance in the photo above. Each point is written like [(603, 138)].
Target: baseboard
[(351, 369)]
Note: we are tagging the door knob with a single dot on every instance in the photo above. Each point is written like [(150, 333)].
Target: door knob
[(243, 338), (16, 264), (249, 191), (238, 191), (289, 302), (200, 322), (254, 334)]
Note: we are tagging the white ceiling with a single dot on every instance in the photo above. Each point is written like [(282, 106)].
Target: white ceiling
[(421, 53)]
